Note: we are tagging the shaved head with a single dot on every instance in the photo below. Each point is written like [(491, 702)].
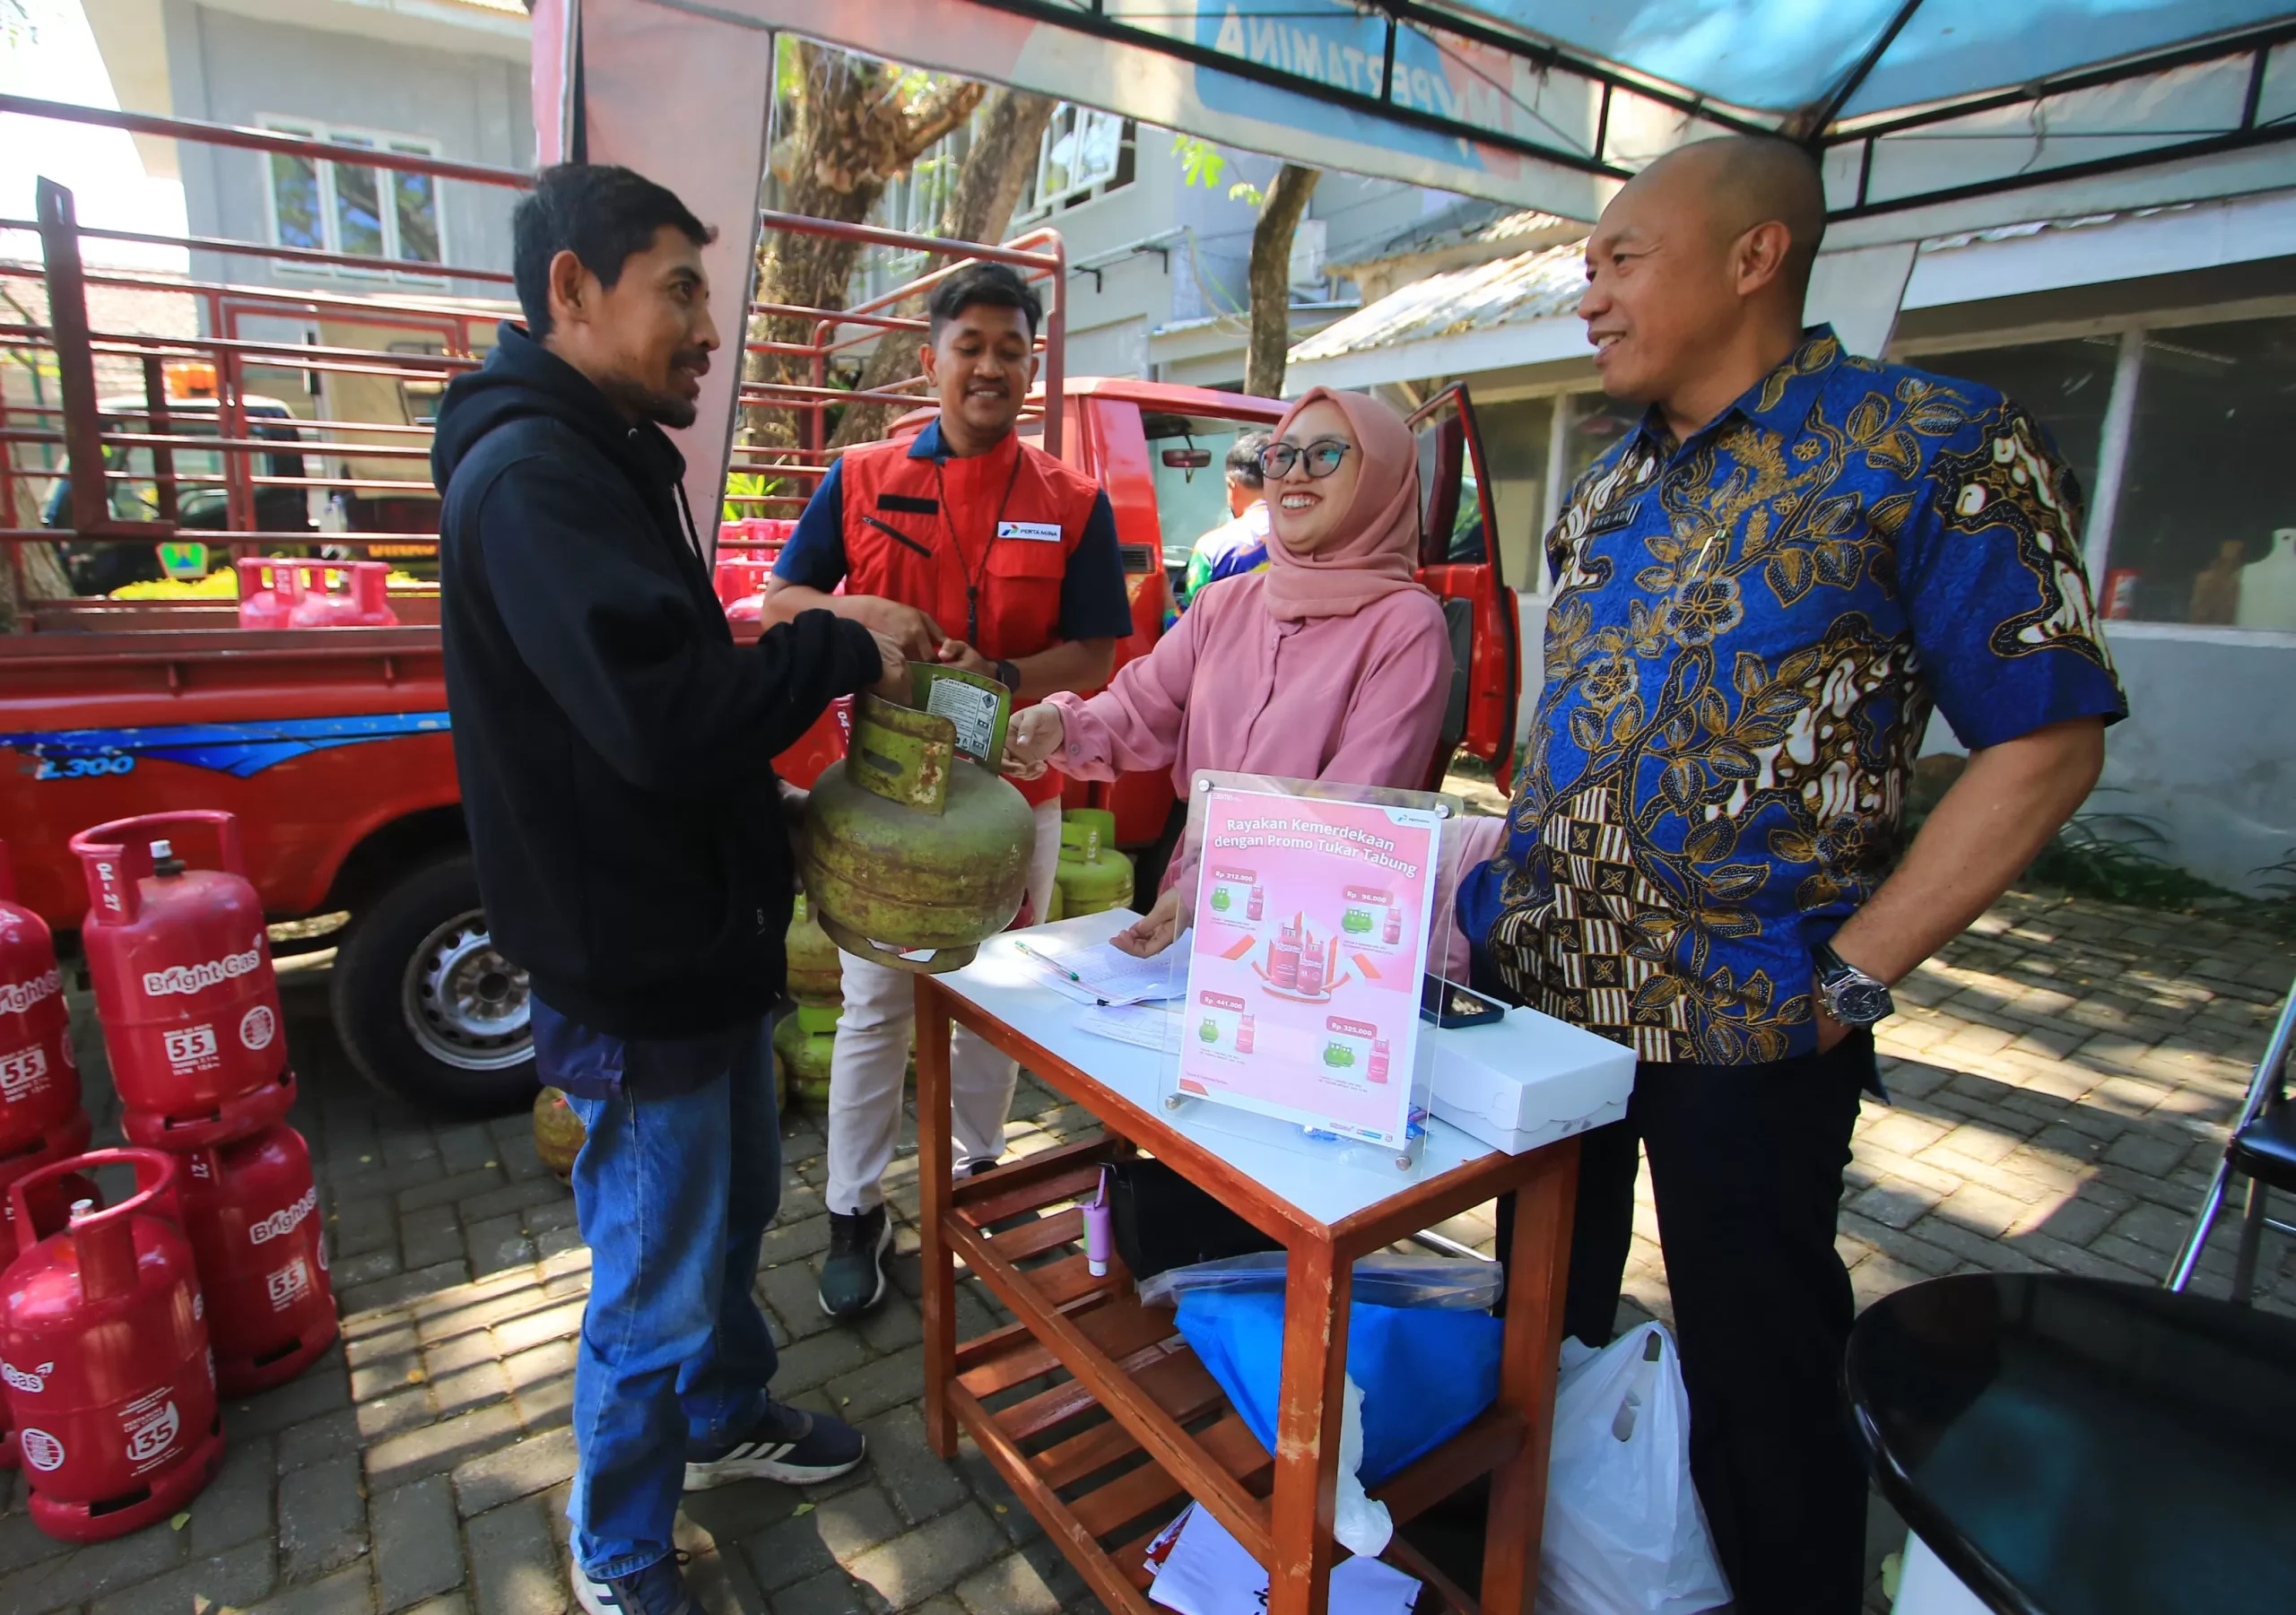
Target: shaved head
[(1696, 272), (1749, 180)]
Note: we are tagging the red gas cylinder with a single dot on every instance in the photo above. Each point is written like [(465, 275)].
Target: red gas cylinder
[(184, 987), (74, 1140), (39, 1084), (107, 1372), (252, 1213)]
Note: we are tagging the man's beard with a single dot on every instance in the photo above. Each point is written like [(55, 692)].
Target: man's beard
[(672, 410)]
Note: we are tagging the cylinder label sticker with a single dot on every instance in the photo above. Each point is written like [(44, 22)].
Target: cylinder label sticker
[(290, 1285), (257, 1027), (21, 1074), (41, 1450), (152, 1424), (192, 1048)]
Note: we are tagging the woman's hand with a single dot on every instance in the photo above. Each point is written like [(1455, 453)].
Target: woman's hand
[(1153, 932), (1034, 736)]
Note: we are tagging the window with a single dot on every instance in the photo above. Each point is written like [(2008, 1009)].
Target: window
[(1083, 154), (2206, 494), (2067, 385), (352, 208)]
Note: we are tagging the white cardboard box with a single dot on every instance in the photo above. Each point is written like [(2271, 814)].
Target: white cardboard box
[(1525, 1080)]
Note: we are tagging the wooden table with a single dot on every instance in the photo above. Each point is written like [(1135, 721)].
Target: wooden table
[(1103, 1417)]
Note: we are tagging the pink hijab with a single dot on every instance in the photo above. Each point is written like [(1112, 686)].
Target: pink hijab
[(1375, 552)]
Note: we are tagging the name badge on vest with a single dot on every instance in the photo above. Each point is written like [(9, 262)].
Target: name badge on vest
[(1041, 532)]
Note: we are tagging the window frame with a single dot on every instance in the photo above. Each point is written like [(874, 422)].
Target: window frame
[(1038, 205), (407, 145)]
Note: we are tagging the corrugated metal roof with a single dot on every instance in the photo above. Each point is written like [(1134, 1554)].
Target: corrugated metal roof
[(1538, 284)]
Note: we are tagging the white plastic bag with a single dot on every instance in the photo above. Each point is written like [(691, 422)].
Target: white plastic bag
[(1624, 1531)]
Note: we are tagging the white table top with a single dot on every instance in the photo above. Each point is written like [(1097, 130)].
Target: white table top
[(1323, 1181)]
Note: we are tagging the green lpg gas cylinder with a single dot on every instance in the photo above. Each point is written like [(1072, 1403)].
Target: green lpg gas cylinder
[(805, 1041), (559, 1133), (916, 852), (1091, 875), (815, 974)]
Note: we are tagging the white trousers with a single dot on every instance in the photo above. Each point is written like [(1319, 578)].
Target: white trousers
[(871, 1058)]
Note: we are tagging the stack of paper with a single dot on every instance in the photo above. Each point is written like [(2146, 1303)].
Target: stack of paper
[(1204, 1571), (1145, 1025)]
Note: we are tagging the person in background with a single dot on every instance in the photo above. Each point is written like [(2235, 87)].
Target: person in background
[(1333, 663), (1758, 597), (614, 745), (976, 550), (1239, 544)]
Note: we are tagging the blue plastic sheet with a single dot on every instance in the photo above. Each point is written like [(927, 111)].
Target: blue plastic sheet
[(1425, 1372)]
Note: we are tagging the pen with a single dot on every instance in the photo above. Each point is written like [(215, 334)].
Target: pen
[(1050, 964)]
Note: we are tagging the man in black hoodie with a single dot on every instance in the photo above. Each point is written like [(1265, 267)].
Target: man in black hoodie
[(615, 747)]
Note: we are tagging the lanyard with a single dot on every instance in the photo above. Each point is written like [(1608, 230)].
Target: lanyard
[(964, 567)]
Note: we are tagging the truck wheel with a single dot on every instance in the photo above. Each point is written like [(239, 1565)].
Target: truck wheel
[(426, 1007)]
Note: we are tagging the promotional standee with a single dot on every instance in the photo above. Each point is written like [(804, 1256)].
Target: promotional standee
[(184, 987), (251, 1211), (41, 1117), (1317, 908), (103, 1350)]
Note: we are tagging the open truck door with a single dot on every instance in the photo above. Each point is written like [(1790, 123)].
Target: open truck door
[(1458, 559)]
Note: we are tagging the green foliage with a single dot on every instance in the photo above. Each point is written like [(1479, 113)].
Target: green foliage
[(750, 482), (1201, 161), (2112, 856)]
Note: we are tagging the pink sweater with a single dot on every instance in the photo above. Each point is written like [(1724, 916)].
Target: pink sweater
[(1357, 699)]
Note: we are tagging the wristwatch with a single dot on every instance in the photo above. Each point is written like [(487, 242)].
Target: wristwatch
[(1009, 676), (1851, 996)]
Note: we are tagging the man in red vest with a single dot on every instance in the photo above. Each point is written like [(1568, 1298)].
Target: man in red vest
[(972, 548)]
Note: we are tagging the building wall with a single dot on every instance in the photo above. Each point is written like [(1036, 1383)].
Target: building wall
[(233, 69), (2208, 749)]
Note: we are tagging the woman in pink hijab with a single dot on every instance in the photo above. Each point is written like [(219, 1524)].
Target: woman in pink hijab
[(1334, 664)]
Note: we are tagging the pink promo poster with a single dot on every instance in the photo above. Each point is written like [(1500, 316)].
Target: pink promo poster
[(1310, 935)]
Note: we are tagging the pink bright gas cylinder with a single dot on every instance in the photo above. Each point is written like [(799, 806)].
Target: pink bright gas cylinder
[(11, 1170), (39, 1082), (184, 988), (363, 601), (103, 1351), (251, 1211)]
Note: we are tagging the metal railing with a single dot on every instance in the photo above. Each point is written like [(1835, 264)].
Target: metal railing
[(135, 459)]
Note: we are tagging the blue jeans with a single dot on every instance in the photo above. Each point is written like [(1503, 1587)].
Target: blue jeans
[(673, 1191)]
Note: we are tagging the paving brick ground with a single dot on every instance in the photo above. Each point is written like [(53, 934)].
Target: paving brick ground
[(2062, 1076)]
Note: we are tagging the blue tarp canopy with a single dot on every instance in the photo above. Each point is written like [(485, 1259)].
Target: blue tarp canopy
[(1926, 112)]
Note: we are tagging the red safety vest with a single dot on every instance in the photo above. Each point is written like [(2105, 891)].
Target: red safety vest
[(981, 545)]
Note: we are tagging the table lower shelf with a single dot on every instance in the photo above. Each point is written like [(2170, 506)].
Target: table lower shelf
[(1104, 1470)]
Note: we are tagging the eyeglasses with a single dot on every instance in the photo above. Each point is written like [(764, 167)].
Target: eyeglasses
[(1320, 457)]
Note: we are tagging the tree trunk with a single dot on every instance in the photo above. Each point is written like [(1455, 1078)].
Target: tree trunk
[(1011, 126), (1271, 278), (36, 572), (859, 122)]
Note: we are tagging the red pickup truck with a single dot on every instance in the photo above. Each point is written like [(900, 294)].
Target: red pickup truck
[(331, 745)]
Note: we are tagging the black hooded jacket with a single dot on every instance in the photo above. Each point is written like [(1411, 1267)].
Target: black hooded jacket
[(614, 744)]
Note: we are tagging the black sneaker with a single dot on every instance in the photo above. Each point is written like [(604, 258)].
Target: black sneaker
[(785, 1444), (853, 1277), (659, 1589)]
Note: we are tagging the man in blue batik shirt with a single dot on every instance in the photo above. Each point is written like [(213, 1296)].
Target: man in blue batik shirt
[(1757, 599)]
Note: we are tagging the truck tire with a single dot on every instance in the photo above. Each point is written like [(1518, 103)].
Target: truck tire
[(426, 1009)]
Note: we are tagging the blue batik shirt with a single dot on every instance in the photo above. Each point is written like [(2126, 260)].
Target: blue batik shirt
[(1747, 633)]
